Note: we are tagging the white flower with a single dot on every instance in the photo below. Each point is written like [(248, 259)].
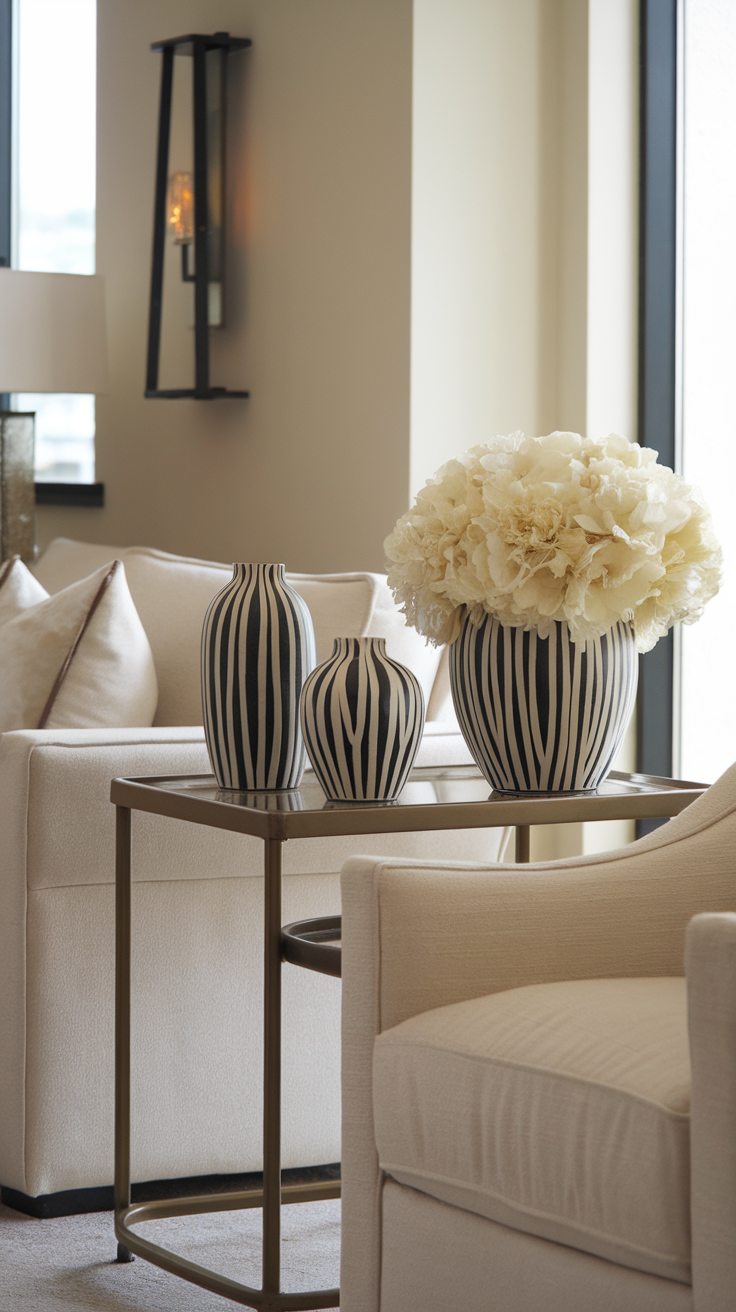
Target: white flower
[(535, 530)]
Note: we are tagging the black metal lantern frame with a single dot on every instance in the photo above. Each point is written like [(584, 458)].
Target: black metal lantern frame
[(208, 235)]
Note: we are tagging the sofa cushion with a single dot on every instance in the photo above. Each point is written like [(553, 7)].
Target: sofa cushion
[(172, 593), (79, 659), (557, 1109), (65, 561)]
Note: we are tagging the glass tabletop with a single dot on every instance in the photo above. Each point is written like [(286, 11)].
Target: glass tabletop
[(434, 797), (425, 786)]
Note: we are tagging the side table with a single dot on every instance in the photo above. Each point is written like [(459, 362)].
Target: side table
[(456, 797)]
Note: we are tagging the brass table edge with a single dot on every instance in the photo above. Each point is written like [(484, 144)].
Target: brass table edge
[(663, 798)]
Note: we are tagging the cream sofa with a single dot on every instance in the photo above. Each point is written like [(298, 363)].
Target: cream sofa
[(539, 1080), (197, 919)]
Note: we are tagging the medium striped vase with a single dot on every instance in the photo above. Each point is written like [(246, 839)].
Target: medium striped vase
[(542, 714), (362, 718), (257, 649)]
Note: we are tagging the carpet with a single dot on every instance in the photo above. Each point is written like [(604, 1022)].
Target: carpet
[(67, 1264)]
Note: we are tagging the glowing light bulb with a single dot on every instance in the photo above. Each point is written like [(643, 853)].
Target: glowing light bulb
[(180, 208)]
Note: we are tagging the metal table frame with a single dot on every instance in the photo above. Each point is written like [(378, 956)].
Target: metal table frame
[(276, 818)]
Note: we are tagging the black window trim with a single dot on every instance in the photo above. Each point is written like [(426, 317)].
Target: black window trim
[(659, 365)]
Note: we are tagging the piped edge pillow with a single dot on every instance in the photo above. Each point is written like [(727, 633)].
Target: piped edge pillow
[(77, 660)]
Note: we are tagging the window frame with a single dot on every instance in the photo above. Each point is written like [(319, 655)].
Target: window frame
[(659, 363), (47, 494)]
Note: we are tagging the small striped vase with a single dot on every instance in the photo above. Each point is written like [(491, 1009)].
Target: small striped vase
[(541, 714), (257, 649), (362, 719)]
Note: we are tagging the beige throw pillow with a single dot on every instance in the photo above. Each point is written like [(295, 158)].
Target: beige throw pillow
[(78, 660), (18, 589)]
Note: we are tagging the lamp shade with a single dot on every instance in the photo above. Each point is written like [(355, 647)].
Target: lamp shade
[(52, 332)]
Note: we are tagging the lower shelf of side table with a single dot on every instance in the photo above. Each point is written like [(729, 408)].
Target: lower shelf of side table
[(130, 1243), (314, 944)]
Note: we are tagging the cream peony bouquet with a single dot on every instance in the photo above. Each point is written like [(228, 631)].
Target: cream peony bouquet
[(538, 529)]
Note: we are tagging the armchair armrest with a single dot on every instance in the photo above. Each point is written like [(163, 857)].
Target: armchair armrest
[(711, 988), (441, 933)]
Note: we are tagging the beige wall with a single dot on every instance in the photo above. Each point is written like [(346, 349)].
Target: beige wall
[(314, 469), (483, 275), (485, 223), (524, 227), (500, 222)]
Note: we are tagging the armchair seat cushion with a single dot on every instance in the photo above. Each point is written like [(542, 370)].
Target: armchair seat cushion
[(558, 1109)]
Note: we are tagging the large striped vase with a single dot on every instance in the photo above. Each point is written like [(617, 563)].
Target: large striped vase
[(542, 714), (257, 649), (362, 719)]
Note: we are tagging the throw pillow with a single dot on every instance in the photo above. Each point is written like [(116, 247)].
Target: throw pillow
[(78, 660), (18, 589)]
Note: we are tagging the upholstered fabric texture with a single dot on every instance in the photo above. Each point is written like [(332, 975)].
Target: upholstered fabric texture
[(711, 985), (78, 659), (520, 1105), (444, 1259), (623, 912)]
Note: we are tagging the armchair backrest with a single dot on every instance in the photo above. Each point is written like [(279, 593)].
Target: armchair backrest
[(172, 593)]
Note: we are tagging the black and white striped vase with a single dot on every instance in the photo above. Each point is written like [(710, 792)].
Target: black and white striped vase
[(362, 717), (257, 649), (542, 714)]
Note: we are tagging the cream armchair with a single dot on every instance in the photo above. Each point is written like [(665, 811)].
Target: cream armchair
[(527, 1127), (197, 910)]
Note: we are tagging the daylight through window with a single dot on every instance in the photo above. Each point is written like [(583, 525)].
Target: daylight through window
[(54, 228)]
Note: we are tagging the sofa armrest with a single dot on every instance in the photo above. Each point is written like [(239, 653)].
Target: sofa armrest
[(56, 829), (56, 821), (711, 989)]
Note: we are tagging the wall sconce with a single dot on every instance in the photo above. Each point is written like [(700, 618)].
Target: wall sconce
[(193, 206)]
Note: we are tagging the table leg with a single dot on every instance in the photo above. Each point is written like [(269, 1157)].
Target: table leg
[(122, 1017), (269, 1297), (272, 1067), (523, 837)]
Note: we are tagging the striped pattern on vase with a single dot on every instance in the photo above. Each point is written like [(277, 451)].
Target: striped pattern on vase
[(362, 718), (542, 714), (257, 649)]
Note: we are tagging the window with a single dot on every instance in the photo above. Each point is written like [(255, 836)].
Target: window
[(687, 719), (53, 211), (708, 703)]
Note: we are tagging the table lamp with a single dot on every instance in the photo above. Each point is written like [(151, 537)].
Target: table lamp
[(52, 339)]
